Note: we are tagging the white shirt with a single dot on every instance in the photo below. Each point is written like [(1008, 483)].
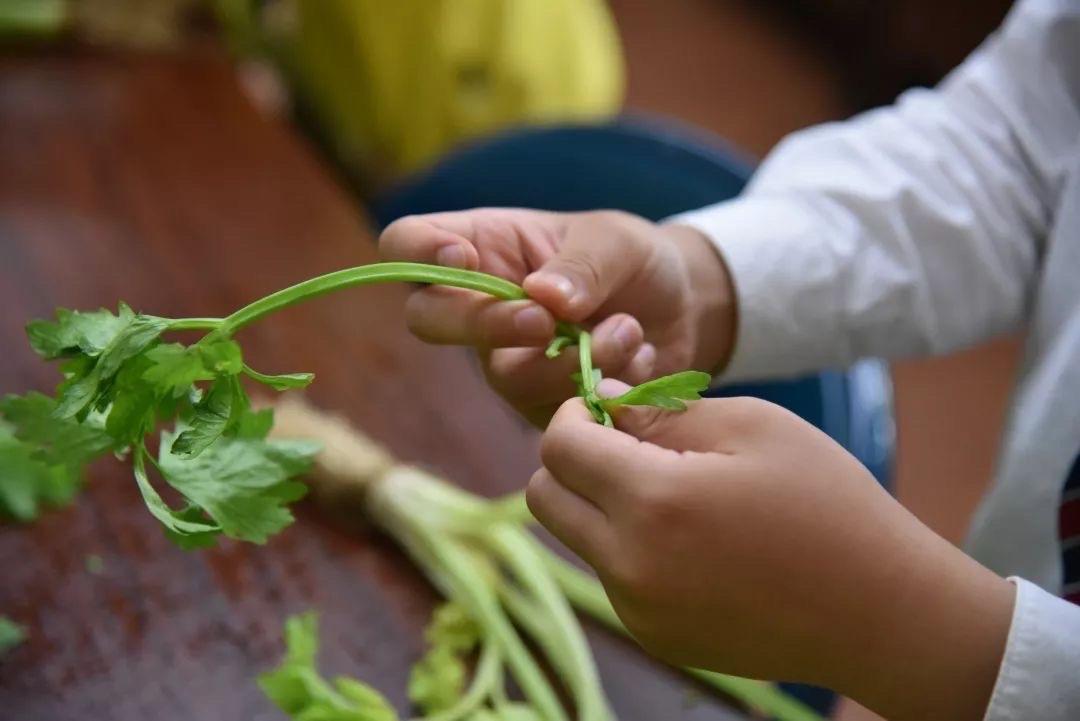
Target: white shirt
[(951, 217)]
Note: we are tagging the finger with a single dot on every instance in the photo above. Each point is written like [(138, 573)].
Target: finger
[(599, 254), (579, 524), (455, 316), (591, 460), (442, 238), (529, 380), (615, 342), (709, 425)]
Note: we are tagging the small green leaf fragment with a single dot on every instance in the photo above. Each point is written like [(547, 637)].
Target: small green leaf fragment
[(221, 356), (297, 688), (556, 346), (667, 392), (283, 382), (452, 628), (437, 681), (11, 634)]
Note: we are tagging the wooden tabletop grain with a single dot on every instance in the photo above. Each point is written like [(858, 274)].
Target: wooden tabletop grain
[(155, 182)]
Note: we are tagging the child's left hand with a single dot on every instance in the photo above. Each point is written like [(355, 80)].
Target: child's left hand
[(737, 537)]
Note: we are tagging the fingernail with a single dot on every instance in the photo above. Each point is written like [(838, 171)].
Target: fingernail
[(532, 322), (452, 256), (561, 283), (611, 388)]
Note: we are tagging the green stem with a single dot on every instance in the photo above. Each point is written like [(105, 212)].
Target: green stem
[(195, 324), (563, 640), (588, 382), (399, 505), (366, 275), (588, 595)]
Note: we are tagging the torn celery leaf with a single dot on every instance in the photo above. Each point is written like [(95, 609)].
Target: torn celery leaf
[(11, 634), (437, 681), (241, 484), (297, 688), (667, 392)]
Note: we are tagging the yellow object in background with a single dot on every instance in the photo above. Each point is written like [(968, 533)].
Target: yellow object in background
[(396, 83)]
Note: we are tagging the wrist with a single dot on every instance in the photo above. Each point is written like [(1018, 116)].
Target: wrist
[(937, 648), (713, 304)]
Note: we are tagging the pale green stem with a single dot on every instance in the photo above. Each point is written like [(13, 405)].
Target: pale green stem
[(366, 275), (563, 639)]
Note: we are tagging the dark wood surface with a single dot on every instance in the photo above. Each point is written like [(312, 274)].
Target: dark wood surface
[(153, 181)]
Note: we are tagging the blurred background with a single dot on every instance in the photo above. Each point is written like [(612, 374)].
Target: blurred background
[(385, 90)]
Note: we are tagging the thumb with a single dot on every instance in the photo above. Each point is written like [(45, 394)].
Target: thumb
[(598, 255), (707, 425)]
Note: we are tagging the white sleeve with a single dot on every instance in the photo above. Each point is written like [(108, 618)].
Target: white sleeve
[(1040, 672), (914, 229)]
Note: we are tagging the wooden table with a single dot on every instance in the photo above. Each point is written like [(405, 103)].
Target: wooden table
[(155, 182)]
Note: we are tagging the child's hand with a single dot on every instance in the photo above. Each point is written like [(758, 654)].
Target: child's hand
[(659, 296), (737, 537)]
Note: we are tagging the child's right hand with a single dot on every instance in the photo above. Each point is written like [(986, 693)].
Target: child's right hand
[(658, 298)]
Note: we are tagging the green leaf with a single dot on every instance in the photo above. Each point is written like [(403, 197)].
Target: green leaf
[(75, 333), (211, 416), (42, 457), (452, 628), (11, 634), (437, 680), (135, 400), (130, 340), (242, 484), (175, 367), (55, 441), (283, 382), (220, 356), (297, 688), (254, 424), (184, 524), (374, 704), (27, 483), (665, 392)]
